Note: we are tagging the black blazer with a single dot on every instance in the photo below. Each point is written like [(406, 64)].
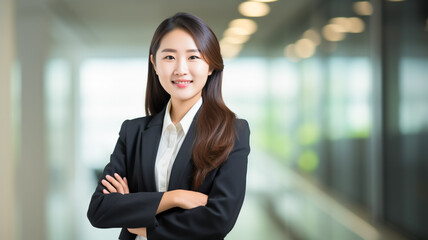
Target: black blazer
[(134, 158)]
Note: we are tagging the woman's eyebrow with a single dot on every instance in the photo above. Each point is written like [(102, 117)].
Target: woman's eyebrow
[(174, 50), (193, 50)]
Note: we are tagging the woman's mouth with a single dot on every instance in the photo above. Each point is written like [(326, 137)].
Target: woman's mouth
[(182, 83)]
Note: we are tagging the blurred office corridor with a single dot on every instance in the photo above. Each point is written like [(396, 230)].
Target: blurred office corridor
[(335, 91)]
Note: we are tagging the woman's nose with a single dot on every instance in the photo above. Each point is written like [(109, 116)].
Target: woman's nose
[(181, 67)]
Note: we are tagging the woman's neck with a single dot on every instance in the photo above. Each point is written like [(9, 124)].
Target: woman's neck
[(180, 108)]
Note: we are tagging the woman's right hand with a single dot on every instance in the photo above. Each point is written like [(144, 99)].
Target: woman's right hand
[(187, 199)]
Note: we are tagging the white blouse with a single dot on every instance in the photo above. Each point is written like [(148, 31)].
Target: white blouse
[(171, 140)]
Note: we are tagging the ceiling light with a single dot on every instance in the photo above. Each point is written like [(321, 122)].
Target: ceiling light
[(247, 26), (305, 48), (356, 25), (333, 32), (230, 50), (313, 36), (363, 8), (254, 9), (343, 24), (290, 53), (235, 31), (265, 1), (238, 39)]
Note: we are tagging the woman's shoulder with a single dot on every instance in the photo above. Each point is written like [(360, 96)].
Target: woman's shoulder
[(131, 127), (242, 127), (241, 123), (136, 123)]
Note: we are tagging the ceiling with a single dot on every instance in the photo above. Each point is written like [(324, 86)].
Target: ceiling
[(125, 26)]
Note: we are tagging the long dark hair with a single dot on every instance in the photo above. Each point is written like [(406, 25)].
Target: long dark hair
[(215, 134)]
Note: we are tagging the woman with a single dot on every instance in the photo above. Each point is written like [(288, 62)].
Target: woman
[(180, 172)]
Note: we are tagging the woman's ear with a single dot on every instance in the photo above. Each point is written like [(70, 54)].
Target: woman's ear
[(210, 72), (153, 63)]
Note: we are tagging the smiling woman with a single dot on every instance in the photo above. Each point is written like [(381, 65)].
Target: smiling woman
[(180, 172), (181, 69)]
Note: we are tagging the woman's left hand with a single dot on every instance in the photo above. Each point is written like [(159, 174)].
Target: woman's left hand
[(120, 185), (115, 184), (138, 231)]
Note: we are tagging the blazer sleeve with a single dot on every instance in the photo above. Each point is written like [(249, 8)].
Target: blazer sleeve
[(225, 199), (116, 210)]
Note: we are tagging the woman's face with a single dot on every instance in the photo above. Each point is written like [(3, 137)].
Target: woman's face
[(181, 68)]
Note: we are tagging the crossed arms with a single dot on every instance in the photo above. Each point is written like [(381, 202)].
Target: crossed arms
[(184, 199), (176, 214)]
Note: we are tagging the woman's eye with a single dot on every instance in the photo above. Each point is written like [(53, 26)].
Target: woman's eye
[(169, 58), (193, 57)]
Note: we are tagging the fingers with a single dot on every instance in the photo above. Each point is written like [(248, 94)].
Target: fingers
[(108, 186), (116, 184), (126, 184), (122, 182)]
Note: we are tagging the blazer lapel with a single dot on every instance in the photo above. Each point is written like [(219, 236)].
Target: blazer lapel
[(150, 143), (182, 162)]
